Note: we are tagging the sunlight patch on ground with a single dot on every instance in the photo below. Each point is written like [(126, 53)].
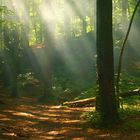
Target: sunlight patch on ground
[(57, 132), (5, 119), (50, 138), (104, 135), (24, 114), (78, 139), (29, 115), (71, 121), (10, 134), (72, 128), (50, 115)]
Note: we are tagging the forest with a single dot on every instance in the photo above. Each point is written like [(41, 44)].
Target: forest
[(69, 69)]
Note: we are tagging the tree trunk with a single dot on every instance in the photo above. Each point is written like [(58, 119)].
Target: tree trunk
[(46, 66), (106, 99), (67, 21), (14, 91)]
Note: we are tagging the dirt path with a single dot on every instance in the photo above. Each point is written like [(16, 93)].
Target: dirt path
[(25, 119)]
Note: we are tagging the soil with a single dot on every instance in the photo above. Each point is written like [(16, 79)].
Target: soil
[(26, 119)]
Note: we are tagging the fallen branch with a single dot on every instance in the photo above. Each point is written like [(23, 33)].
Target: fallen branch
[(81, 103), (130, 93), (91, 101)]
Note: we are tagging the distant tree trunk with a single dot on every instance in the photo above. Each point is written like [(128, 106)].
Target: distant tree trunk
[(48, 60), (14, 59), (49, 30), (106, 99), (67, 21), (35, 19), (1, 27), (14, 87), (11, 42), (124, 9), (124, 16), (84, 5), (84, 26), (42, 68)]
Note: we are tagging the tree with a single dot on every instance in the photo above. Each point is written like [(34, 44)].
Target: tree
[(47, 53), (12, 52), (106, 99), (123, 47)]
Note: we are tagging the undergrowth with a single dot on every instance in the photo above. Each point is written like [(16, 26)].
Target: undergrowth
[(129, 116)]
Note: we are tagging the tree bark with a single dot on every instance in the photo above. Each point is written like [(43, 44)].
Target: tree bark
[(106, 99)]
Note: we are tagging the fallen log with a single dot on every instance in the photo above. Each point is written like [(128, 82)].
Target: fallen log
[(130, 93), (91, 101), (80, 103)]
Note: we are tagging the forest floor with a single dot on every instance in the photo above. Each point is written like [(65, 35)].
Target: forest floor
[(26, 119)]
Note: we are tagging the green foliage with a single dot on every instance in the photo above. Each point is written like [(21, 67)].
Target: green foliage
[(130, 117), (93, 118), (129, 111), (63, 95), (129, 82), (133, 124), (5, 10), (26, 79), (91, 92), (131, 101)]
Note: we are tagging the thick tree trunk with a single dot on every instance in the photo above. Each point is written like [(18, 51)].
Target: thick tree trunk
[(106, 100)]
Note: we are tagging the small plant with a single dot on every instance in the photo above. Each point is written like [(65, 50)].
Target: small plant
[(87, 94), (129, 82), (127, 112), (27, 79), (130, 116), (133, 124), (93, 118)]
